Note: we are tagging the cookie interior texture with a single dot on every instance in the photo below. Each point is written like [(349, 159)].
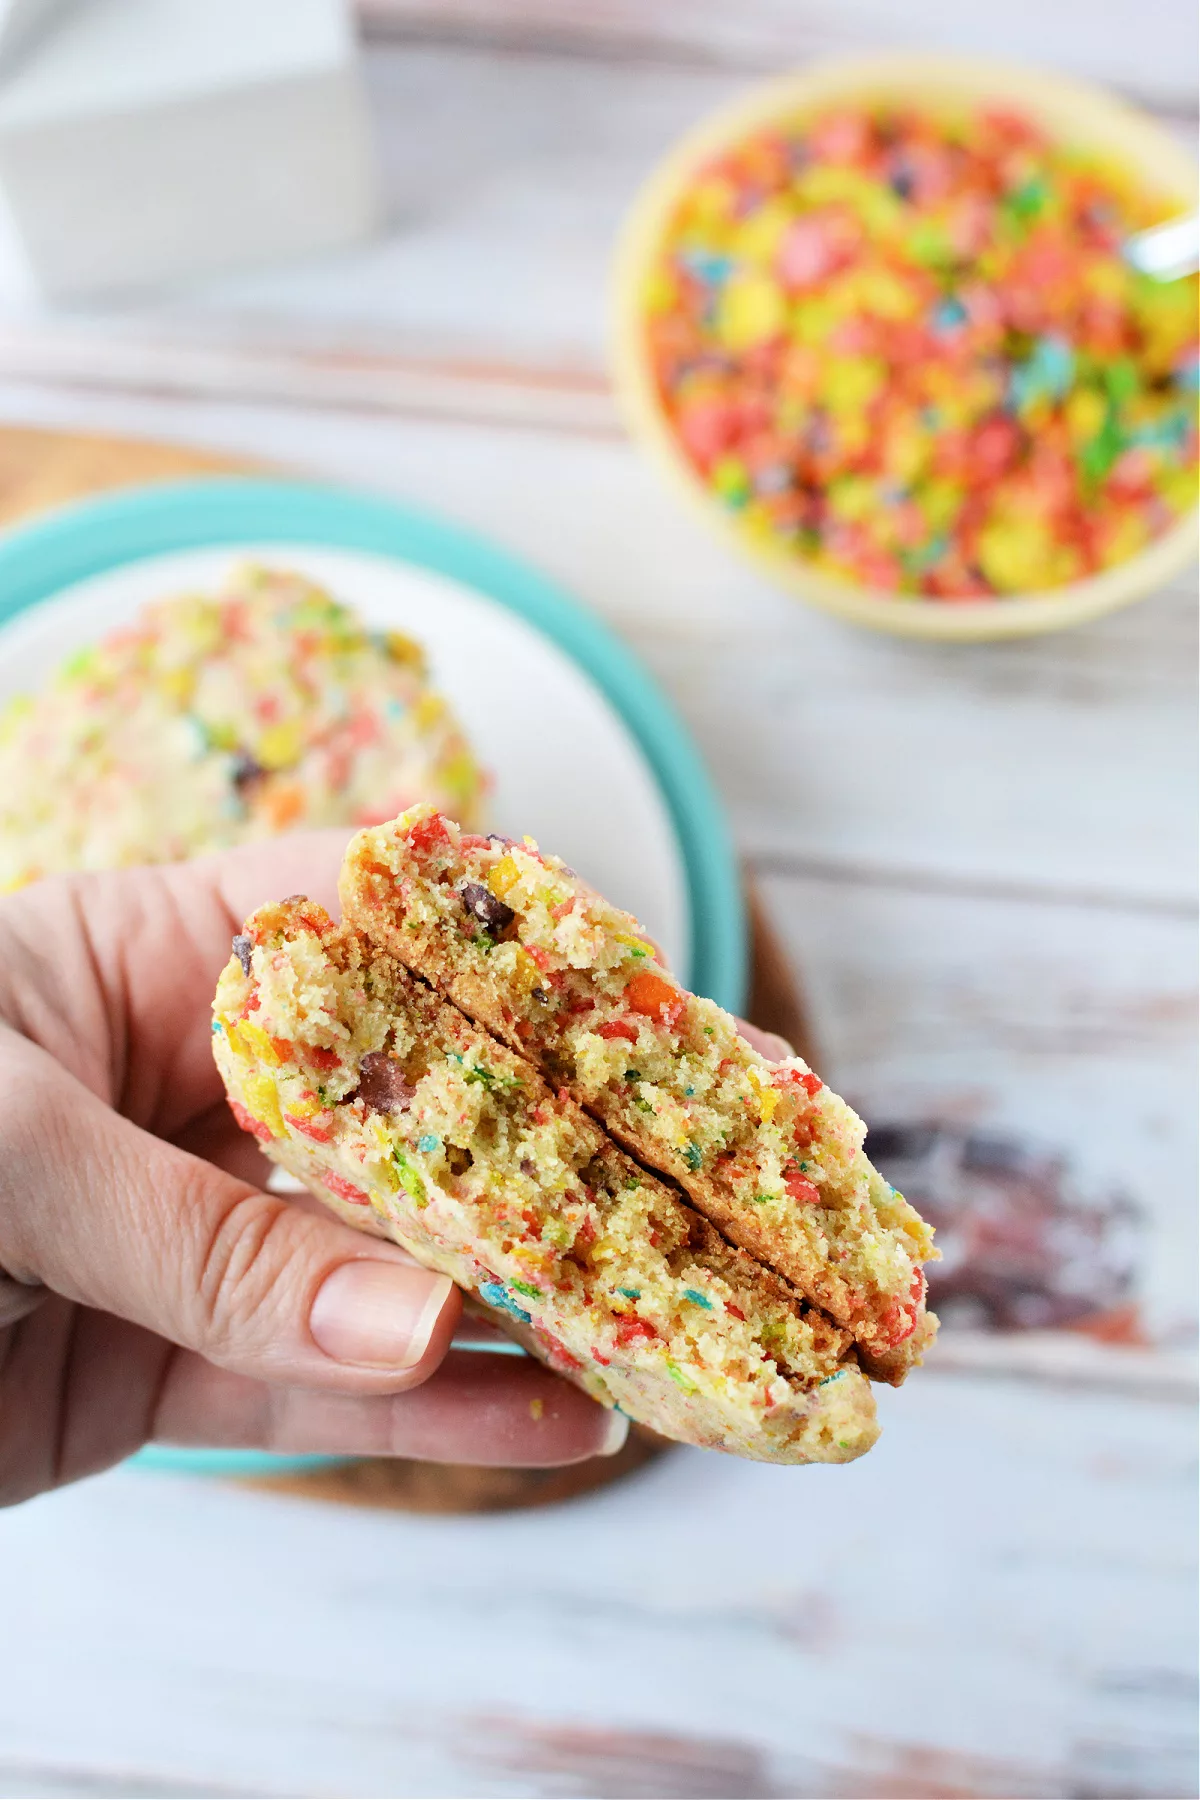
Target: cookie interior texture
[(216, 719), (410, 1119), (767, 1152)]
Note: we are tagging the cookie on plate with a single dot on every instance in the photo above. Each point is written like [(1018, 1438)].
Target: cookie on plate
[(214, 719), (413, 1121), (763, 1150)]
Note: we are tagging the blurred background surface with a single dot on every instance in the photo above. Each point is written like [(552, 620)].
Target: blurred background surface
[(982, 863)]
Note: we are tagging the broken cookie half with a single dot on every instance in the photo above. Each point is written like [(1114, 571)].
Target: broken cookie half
[(375, 1073), (765, 1151)]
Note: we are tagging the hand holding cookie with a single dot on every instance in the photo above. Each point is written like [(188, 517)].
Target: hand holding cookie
[(491, 1065), (152, 1289)]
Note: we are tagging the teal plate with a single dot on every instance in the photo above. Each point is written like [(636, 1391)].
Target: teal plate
[(79, 542)]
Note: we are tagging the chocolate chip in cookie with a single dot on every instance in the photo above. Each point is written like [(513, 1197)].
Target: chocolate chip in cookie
[(381, 1084), (245, 770), (492, 914)]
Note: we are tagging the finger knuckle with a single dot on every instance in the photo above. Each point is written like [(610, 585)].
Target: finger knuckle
[(242, 1282)]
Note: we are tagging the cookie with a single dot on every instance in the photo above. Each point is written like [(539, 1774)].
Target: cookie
[(212, 720), (412, 1121), (763, 1150)]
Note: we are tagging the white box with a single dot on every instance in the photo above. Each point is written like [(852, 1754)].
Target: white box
[(146, 140), (23, 20)]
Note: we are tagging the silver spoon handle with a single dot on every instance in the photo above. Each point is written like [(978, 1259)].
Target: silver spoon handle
[(1168, 251)]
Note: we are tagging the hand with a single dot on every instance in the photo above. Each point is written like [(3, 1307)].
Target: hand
[(180, 1302)]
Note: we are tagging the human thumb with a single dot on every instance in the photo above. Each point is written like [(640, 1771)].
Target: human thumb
[(109, 1216)]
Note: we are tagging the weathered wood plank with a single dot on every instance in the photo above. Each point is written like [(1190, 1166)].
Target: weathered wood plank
[(995, 1602), (1067, 1361), (766, 34), (1073, 1027), (258, 366), (43, 1780)]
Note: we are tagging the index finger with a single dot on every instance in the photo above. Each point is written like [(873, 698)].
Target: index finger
[(113, 972), (488, 1410), (300, 862)]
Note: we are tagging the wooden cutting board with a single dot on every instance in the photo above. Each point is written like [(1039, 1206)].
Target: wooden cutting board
[(40, 469), (44, 469)]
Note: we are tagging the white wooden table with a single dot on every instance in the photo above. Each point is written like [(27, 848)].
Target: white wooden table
[(983, 862)]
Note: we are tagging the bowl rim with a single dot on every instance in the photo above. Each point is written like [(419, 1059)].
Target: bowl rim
[(1068, 107)]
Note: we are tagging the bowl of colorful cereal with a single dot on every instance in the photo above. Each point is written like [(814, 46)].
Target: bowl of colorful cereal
[(878, 321)]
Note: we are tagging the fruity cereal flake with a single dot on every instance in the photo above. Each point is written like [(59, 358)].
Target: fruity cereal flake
[(215, 719), (904, 346)]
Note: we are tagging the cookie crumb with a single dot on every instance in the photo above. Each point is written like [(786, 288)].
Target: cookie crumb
[(536, 1408)]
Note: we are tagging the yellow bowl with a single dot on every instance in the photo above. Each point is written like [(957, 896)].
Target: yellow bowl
[(1068, 110)]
